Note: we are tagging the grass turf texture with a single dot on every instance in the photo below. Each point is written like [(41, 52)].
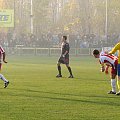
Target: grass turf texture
[(34, 93)]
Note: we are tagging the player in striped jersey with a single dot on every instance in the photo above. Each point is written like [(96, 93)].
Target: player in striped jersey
[(107, 61), (2, 58)]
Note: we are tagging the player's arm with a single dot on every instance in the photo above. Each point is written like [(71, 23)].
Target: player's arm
[(102, 67), (65, 53), (106, 69), (3, 53), (4, 56), (117, 47), (102, 63), (67, 50)]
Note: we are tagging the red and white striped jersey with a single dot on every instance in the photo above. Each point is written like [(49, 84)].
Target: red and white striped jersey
[(1, 54), (108, 59), (1, 50)]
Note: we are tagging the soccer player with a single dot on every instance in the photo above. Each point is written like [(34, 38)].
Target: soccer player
[(107, 61), (2, 58), (64, 58), (115, 49)]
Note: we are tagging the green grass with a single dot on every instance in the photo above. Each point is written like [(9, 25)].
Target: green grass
[(35, 94)]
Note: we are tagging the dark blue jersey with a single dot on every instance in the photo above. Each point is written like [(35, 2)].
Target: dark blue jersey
[(65, 47)]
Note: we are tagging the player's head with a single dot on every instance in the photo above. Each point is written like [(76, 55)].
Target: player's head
[(96, 53), (64, 38)]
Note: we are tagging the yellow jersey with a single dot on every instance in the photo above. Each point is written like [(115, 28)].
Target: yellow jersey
[(116, 47)]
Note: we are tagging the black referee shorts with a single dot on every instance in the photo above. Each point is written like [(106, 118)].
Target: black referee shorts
[(64, 60)]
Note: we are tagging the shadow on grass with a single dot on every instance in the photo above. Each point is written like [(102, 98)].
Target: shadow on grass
[(64, 96)]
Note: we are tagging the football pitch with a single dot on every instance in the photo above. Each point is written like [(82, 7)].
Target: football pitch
[(34, 93)]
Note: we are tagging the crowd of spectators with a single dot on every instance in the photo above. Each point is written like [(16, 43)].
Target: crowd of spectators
[(53, 40)]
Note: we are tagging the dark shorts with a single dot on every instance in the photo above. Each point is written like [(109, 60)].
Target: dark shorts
[(118, 70), (64, 60)]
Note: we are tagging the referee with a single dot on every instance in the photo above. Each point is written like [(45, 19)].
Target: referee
[(64, 58)]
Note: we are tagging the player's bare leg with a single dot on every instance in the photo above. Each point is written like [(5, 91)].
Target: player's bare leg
[(113, 84), (6, 82)]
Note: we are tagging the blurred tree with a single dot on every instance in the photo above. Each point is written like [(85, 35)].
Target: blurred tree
[(71, 16)]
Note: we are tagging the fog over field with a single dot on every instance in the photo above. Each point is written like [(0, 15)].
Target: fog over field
[(37, 36)]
